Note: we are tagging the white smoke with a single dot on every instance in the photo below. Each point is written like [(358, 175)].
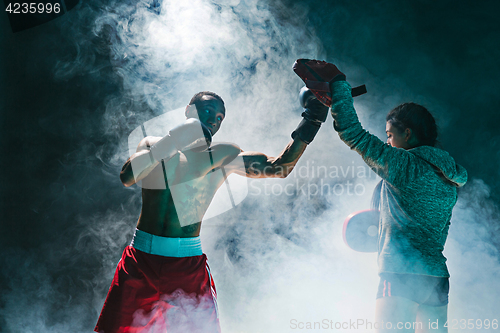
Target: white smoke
[(278, 259)]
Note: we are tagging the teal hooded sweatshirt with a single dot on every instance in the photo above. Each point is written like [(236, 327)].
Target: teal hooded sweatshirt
[(417, 196)]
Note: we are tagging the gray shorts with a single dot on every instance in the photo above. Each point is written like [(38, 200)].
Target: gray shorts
[(422, 289)]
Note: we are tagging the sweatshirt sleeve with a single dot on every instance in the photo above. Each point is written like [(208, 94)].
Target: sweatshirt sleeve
[(392, 164)]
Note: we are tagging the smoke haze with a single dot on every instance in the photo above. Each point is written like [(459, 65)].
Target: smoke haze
[(75, 88)]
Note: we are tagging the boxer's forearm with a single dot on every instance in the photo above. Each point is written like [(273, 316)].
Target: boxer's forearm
[(258, 165), (289, 157)]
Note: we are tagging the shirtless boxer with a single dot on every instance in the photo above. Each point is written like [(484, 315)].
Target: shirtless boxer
[(163, 282)]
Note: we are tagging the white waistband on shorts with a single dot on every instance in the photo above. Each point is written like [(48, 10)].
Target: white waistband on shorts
[(166, 246)]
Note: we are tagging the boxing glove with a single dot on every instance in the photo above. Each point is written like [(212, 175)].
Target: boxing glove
[(315, 113), (191, 135)]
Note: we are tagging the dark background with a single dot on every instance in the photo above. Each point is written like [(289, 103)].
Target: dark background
[(447, 51)]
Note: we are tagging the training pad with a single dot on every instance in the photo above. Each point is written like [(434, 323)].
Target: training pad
[(360, 230), (318, 75)]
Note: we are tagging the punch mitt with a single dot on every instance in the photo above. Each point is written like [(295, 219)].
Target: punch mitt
[(318, 75)]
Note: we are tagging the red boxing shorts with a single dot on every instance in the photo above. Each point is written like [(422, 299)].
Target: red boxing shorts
[(153, 293)]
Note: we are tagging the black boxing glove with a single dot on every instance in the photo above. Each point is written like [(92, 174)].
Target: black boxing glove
[(315, 113)]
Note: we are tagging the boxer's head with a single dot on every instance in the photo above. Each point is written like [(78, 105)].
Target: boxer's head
[(410, 125), (209, 108)]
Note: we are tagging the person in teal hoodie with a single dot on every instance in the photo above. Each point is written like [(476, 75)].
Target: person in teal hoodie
[(416, 197)]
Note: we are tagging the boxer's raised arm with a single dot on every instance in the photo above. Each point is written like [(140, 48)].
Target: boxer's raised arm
[(258, 165)]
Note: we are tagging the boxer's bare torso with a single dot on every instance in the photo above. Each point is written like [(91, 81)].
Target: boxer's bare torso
[(193, 171), (190, 178)]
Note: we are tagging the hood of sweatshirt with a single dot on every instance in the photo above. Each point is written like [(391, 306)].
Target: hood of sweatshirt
[(443, 163)]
